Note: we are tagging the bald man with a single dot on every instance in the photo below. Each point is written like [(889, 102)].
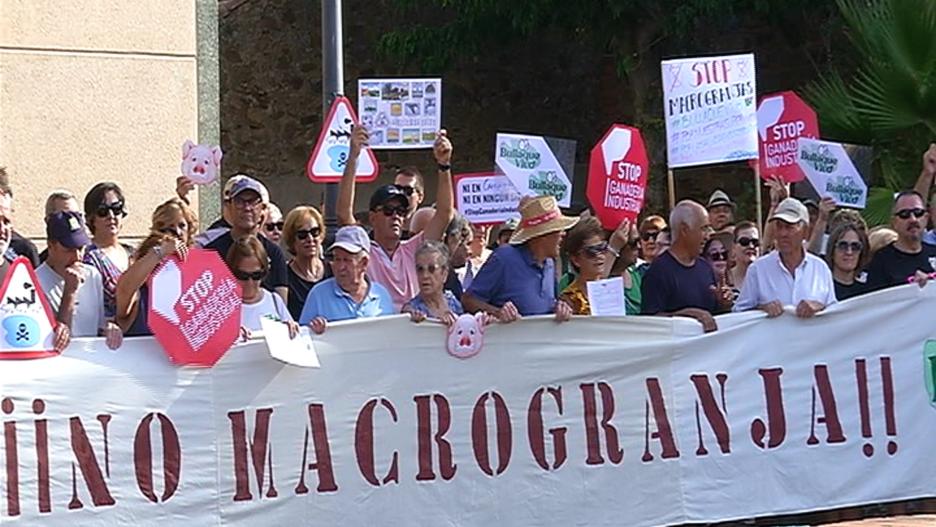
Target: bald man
[(679, 282)]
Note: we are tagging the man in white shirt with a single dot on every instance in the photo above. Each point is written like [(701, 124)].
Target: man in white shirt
[(75, 290), (788, 275)]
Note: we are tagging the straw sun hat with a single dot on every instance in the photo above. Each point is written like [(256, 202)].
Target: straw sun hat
[(540, 216)]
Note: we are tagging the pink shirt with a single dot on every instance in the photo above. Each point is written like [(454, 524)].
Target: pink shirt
[(396, 274)]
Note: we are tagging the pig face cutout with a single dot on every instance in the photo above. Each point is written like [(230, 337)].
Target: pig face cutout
[(201, 163), (466, 335)]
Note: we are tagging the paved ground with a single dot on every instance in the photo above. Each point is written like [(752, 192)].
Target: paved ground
[(926, 520)]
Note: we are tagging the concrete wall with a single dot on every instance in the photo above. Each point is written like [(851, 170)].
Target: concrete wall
[(96, 90)]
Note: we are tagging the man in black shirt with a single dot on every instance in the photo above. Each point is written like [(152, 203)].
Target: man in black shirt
[(679, 282), (908, 259), (244, 205)]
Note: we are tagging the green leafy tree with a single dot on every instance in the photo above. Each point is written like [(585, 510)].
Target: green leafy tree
[(890, 100)]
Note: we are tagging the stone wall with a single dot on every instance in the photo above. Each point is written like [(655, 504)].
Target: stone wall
[(271, 94)]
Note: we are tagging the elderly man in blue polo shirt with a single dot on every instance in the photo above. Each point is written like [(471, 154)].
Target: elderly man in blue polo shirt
[(519, 279), (349, 294)]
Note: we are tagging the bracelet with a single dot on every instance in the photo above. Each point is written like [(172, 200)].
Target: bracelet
[(444, 168), (615, 252), (157, 250)]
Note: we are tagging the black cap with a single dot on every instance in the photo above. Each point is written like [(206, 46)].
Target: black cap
[(387, 193)]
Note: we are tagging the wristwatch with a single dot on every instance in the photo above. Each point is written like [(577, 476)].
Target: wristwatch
[(444, 168), (157, 250)]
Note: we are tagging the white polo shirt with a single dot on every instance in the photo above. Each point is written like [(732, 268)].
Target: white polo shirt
[(88, 317), (767, 280)]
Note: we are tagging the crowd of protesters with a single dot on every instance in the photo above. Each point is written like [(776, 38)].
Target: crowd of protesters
[(431, 263)]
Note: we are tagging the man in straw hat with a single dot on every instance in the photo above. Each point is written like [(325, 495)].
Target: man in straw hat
[(721, 212), (520, 278), (679, 282)]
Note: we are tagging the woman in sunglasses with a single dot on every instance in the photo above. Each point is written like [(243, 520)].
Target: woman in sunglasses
[(745, 250), (250, 264), (172, 232), (588, 251), (303, 236), (273, 225), (847, 254), (105, 210), (433, 300)]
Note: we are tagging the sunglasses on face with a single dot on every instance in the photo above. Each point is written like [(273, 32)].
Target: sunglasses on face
[(173, 231), (748, 242), (845, 247), (256, 276), (400, 211), (406, 190), (649, 235), (314, 232), (906, 213), (116, 209), (594, 251), (275, 226), (431, 268), (718, 256)]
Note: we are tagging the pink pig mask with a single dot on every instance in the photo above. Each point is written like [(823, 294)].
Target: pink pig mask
[(466, 335), (201, 163)]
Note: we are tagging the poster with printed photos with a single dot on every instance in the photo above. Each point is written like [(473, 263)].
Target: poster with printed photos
[(400, 113)]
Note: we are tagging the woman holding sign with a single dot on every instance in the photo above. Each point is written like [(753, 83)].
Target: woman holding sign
[(172, 232), (250, 264)]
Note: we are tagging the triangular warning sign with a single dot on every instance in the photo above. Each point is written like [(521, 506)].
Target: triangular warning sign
[(331, 151), (26, 319)]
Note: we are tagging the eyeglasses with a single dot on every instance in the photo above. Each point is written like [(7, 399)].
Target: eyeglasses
[(275, 226), (845, 247), (718, 256), (649, 235), (744, 241), (431, 268), (116, 209), (314, 232), (256, 276), (594, 251), (906, 213), (174, 231), (406, 190), (400, 211), (246, 203)]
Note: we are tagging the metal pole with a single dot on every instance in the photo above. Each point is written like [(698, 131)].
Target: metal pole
[(332, 85), (671, 186)]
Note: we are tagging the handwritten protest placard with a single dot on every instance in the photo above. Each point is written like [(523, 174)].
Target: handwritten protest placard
[(486, 198), (400, 113), (710, 110)]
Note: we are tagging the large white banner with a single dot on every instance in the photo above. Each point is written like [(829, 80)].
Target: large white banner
[(613, 421), (710, 109)]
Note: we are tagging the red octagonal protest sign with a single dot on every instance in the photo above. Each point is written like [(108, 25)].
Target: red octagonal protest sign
[(617, 176), (195, 308), (782, 118)]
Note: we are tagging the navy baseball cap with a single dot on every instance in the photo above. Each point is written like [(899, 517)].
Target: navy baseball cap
[(387, 193), (67, 229)]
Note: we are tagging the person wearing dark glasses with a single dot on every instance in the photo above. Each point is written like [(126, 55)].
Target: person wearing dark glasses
[(745, 250), (588, 252), (908, 259), (273, 224), (303, 235), (392, 258), (249, 264), (105, 211), (410, 181), (788, 275), (650, 227), (847, 255)]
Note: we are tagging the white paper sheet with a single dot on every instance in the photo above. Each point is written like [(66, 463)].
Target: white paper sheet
[(606, 297), (298, 351)]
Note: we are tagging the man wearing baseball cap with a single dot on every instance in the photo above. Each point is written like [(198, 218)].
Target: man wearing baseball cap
[(392, 261), (348, 294), (788, 275), (245, 204), (74, 289), (520, 279)]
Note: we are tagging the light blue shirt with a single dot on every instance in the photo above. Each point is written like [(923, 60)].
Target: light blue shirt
[(330, 301), (929, 237)]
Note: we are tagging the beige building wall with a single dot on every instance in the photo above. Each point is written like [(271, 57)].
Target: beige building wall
[(95, 90)]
